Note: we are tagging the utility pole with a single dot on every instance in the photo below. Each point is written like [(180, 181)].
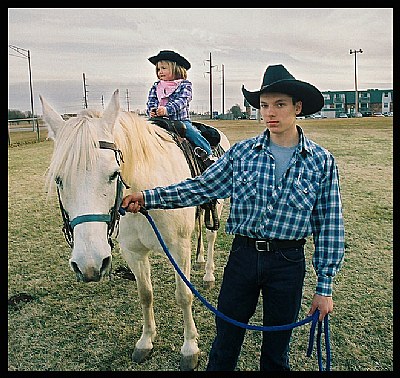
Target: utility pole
[(127, 99), (84, 92), (210, 72), (223, 90), (26, 54), (355, 76)]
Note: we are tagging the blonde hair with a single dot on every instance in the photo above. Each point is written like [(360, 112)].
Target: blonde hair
[(178, 71)]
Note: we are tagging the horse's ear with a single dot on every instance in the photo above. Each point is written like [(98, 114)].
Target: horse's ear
[(110, 114), (52, 119)]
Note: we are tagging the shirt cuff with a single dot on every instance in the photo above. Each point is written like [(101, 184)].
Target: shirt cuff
[(150, 198), (324, 286)]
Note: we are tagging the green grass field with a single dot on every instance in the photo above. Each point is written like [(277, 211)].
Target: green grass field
[(65, 325)]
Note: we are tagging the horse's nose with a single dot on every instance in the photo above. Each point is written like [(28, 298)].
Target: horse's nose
[(91, 273)]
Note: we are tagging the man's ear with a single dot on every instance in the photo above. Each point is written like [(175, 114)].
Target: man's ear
[(298, 107)]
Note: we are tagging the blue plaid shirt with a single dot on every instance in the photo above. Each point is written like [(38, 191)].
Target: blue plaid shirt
[(305, 200), (178, 101)]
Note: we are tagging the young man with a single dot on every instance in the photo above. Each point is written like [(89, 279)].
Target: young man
[(283, 187)]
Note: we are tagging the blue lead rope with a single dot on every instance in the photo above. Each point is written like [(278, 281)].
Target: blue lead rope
[(313, 319), (319, 349)]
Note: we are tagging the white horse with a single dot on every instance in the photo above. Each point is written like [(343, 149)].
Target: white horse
[(93, 155)]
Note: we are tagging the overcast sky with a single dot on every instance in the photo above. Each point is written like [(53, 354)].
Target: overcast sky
[(111, 46)]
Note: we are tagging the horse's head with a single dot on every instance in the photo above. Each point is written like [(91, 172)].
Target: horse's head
[(86, 169)]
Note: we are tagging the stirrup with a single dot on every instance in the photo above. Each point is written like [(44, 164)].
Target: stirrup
[(200, 153)]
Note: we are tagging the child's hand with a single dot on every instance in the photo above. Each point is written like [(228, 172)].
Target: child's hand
[(162, 111)]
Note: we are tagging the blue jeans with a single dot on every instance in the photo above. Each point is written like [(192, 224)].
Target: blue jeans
[(279, 277), (194, 135)]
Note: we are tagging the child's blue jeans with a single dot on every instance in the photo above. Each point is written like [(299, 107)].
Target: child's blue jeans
[(194, 136)]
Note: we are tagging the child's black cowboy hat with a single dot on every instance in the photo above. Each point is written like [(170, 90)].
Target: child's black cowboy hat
[(278, 79), (172, 56)]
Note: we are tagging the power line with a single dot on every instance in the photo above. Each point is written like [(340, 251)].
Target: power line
[(23, 53), (127, 99), (84, 92), (223, 89), (210, 72), (355, 76)]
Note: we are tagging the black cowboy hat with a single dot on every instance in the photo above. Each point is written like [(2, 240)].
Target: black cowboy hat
[(172, 56), (278, 79)]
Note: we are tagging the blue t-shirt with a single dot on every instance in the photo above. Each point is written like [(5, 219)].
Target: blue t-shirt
[(282, 156)]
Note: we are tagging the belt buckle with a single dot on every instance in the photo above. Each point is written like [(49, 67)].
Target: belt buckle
[(262, 245)]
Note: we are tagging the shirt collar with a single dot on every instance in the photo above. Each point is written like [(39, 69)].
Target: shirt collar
[(262, 141)]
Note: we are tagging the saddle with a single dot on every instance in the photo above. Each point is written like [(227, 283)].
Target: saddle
[(178, 127), (197, 166)]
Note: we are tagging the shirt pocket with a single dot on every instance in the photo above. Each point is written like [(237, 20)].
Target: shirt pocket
[(244, 185), (303, 194)]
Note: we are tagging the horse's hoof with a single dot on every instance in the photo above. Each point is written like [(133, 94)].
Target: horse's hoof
[(199, 265), (190, 363), (140, 355), (208, 284)]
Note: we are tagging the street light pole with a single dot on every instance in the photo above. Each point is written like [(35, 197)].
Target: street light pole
[(355, 76), (26, 54)]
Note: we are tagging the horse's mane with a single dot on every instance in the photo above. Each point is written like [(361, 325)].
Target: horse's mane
[(77, 146), (142, 145)]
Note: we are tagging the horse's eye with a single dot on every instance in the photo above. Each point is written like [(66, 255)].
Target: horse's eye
[(113, 176), (58, 181)]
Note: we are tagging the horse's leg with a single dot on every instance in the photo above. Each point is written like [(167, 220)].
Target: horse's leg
[(190, 351), (140, 266)]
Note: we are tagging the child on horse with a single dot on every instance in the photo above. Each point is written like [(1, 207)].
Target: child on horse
[(170, 95)]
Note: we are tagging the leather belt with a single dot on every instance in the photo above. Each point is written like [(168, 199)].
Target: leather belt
[(270, 245)]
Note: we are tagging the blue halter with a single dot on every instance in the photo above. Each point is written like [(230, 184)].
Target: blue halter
[(89, 218), (111, 218)]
